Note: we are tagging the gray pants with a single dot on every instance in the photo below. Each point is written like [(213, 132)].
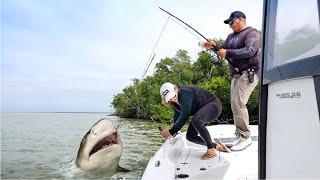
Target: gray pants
[(240, 92)]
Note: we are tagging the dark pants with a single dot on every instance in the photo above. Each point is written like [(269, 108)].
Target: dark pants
[(203, 116)]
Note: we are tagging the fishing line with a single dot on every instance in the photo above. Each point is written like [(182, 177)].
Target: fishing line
[(152, 52), (215, 49), (160, 129), (186, 28), (148, 66)]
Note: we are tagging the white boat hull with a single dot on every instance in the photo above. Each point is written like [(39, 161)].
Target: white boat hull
[(180, 158)]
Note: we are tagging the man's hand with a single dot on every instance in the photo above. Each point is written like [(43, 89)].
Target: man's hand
[(165, 133), (222, 53), (209, 44)]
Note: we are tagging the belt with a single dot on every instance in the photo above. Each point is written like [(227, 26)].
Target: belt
[(243, 72)]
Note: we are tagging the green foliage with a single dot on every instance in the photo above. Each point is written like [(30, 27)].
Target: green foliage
[(253, 106), (161, 113), (220, 87), (142, 99)]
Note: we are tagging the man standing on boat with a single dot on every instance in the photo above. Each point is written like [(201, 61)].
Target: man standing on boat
[(199, 103), (241, 48)]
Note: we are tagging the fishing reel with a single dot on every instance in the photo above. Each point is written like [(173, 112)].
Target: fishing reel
[(214, 58)]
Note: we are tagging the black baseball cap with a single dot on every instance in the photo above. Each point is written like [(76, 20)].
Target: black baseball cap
[(233, 15)]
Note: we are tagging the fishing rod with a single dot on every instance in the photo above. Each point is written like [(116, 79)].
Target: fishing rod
[(215, 49), (160, 129)]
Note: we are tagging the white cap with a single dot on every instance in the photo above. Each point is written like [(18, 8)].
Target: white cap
[(167, 91)]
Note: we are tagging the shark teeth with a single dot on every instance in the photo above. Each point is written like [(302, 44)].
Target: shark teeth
[(104, 143)]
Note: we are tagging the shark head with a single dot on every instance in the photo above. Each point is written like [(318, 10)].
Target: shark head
[(101, 148)]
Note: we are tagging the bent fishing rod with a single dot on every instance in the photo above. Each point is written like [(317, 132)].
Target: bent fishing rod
[(215, 49)]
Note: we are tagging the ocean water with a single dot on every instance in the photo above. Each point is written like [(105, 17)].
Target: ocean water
[(45, 145)]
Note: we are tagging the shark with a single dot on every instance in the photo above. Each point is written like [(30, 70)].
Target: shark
[(101, 148)]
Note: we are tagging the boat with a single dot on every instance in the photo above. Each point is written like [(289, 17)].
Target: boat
[(179, 158)]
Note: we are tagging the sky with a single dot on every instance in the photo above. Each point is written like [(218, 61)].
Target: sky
[(75, 55)]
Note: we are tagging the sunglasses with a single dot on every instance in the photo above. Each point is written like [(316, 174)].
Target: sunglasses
[(232, 21)]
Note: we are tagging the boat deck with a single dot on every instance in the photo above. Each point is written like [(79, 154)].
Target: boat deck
[(178, 158)]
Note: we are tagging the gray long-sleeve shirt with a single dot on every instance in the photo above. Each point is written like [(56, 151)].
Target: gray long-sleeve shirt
[(243, 49)]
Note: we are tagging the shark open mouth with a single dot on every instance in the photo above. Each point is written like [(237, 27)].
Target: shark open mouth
[(104, 143)]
